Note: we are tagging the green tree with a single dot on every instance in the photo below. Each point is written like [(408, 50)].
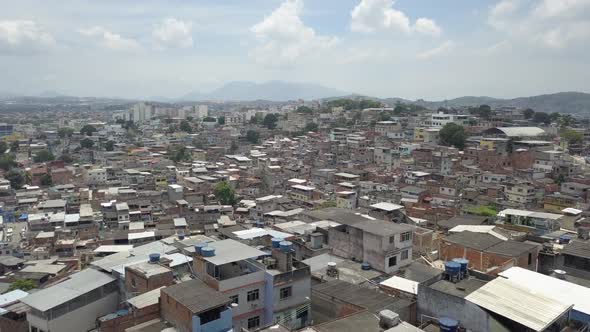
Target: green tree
[(3, 147), (311, 126), (209, 119), (186, 126), (7, 162), (252, 136), (22, 284), (270, 121), (221, 120), (46, 180), (224, 193), (453, 134), (304, 110), (88, 130), (66, 158), (572, 136), (327, 204), (484, 111), (179, 153), (16, 178), (43, 156), (87, 143), (566, 120), (110, 145), (528, 113), (541, 117), (256, 119), (65, 132), (554, 117)]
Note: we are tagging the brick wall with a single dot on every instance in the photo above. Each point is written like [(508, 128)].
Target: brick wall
[(175, 313), (143, 284), (135, 317)]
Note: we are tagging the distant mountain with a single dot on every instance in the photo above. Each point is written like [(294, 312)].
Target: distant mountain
[(562, 102), (271, 90)]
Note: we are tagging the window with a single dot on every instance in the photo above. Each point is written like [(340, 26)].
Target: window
[(286, 292), (253, 322), (407, 236), (530, 258), (235, 299), (392, 261), (133, 283), (391, 239), (253, 295), (405, 255)]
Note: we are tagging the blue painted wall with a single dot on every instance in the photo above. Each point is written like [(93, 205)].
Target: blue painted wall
[(223, 324)]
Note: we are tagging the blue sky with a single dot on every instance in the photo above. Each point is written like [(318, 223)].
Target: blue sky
[(432, 49)]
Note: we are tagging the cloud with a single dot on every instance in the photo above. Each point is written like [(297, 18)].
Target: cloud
[(110, 39), (23, 37), (427, 27), (283, 38), (443, 49), (556, 24), (173, 33), (379, 15)]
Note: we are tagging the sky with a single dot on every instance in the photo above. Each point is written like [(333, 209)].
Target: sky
[(430, 49)]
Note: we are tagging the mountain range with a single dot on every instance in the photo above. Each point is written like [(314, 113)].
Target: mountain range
[(277, 91), (271, 91)]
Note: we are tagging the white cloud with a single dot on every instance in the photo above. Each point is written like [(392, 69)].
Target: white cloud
[(23, 37), (283, 38), (174, 33), (549, 23), (427, 26), (443, 49), (379, 15), (110, 39)]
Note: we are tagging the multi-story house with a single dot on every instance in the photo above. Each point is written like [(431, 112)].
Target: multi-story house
[(264, 289)]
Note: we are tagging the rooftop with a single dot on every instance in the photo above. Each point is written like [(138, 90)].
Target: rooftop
[(192, 293), (371, 299), (387, 206), (76, 285), (514, 301), (148, 269), (460, 289), (228, 251)]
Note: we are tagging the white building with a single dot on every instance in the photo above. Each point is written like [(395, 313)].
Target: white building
[(74, 304)]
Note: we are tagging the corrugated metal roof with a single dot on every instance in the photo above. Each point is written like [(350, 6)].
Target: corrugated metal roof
[(551, 287), (138, 254), (78, 284), (522, 131), (145, 299), (515, 302), (403, 284)]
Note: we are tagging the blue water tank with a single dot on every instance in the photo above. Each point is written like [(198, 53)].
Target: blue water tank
[(181, 236), (285, 246), (564, 239), (463, 262), (452, 268), (208, 251), (448, 324), (199, 246), (365, 266), (276, 242), (154, 258)]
